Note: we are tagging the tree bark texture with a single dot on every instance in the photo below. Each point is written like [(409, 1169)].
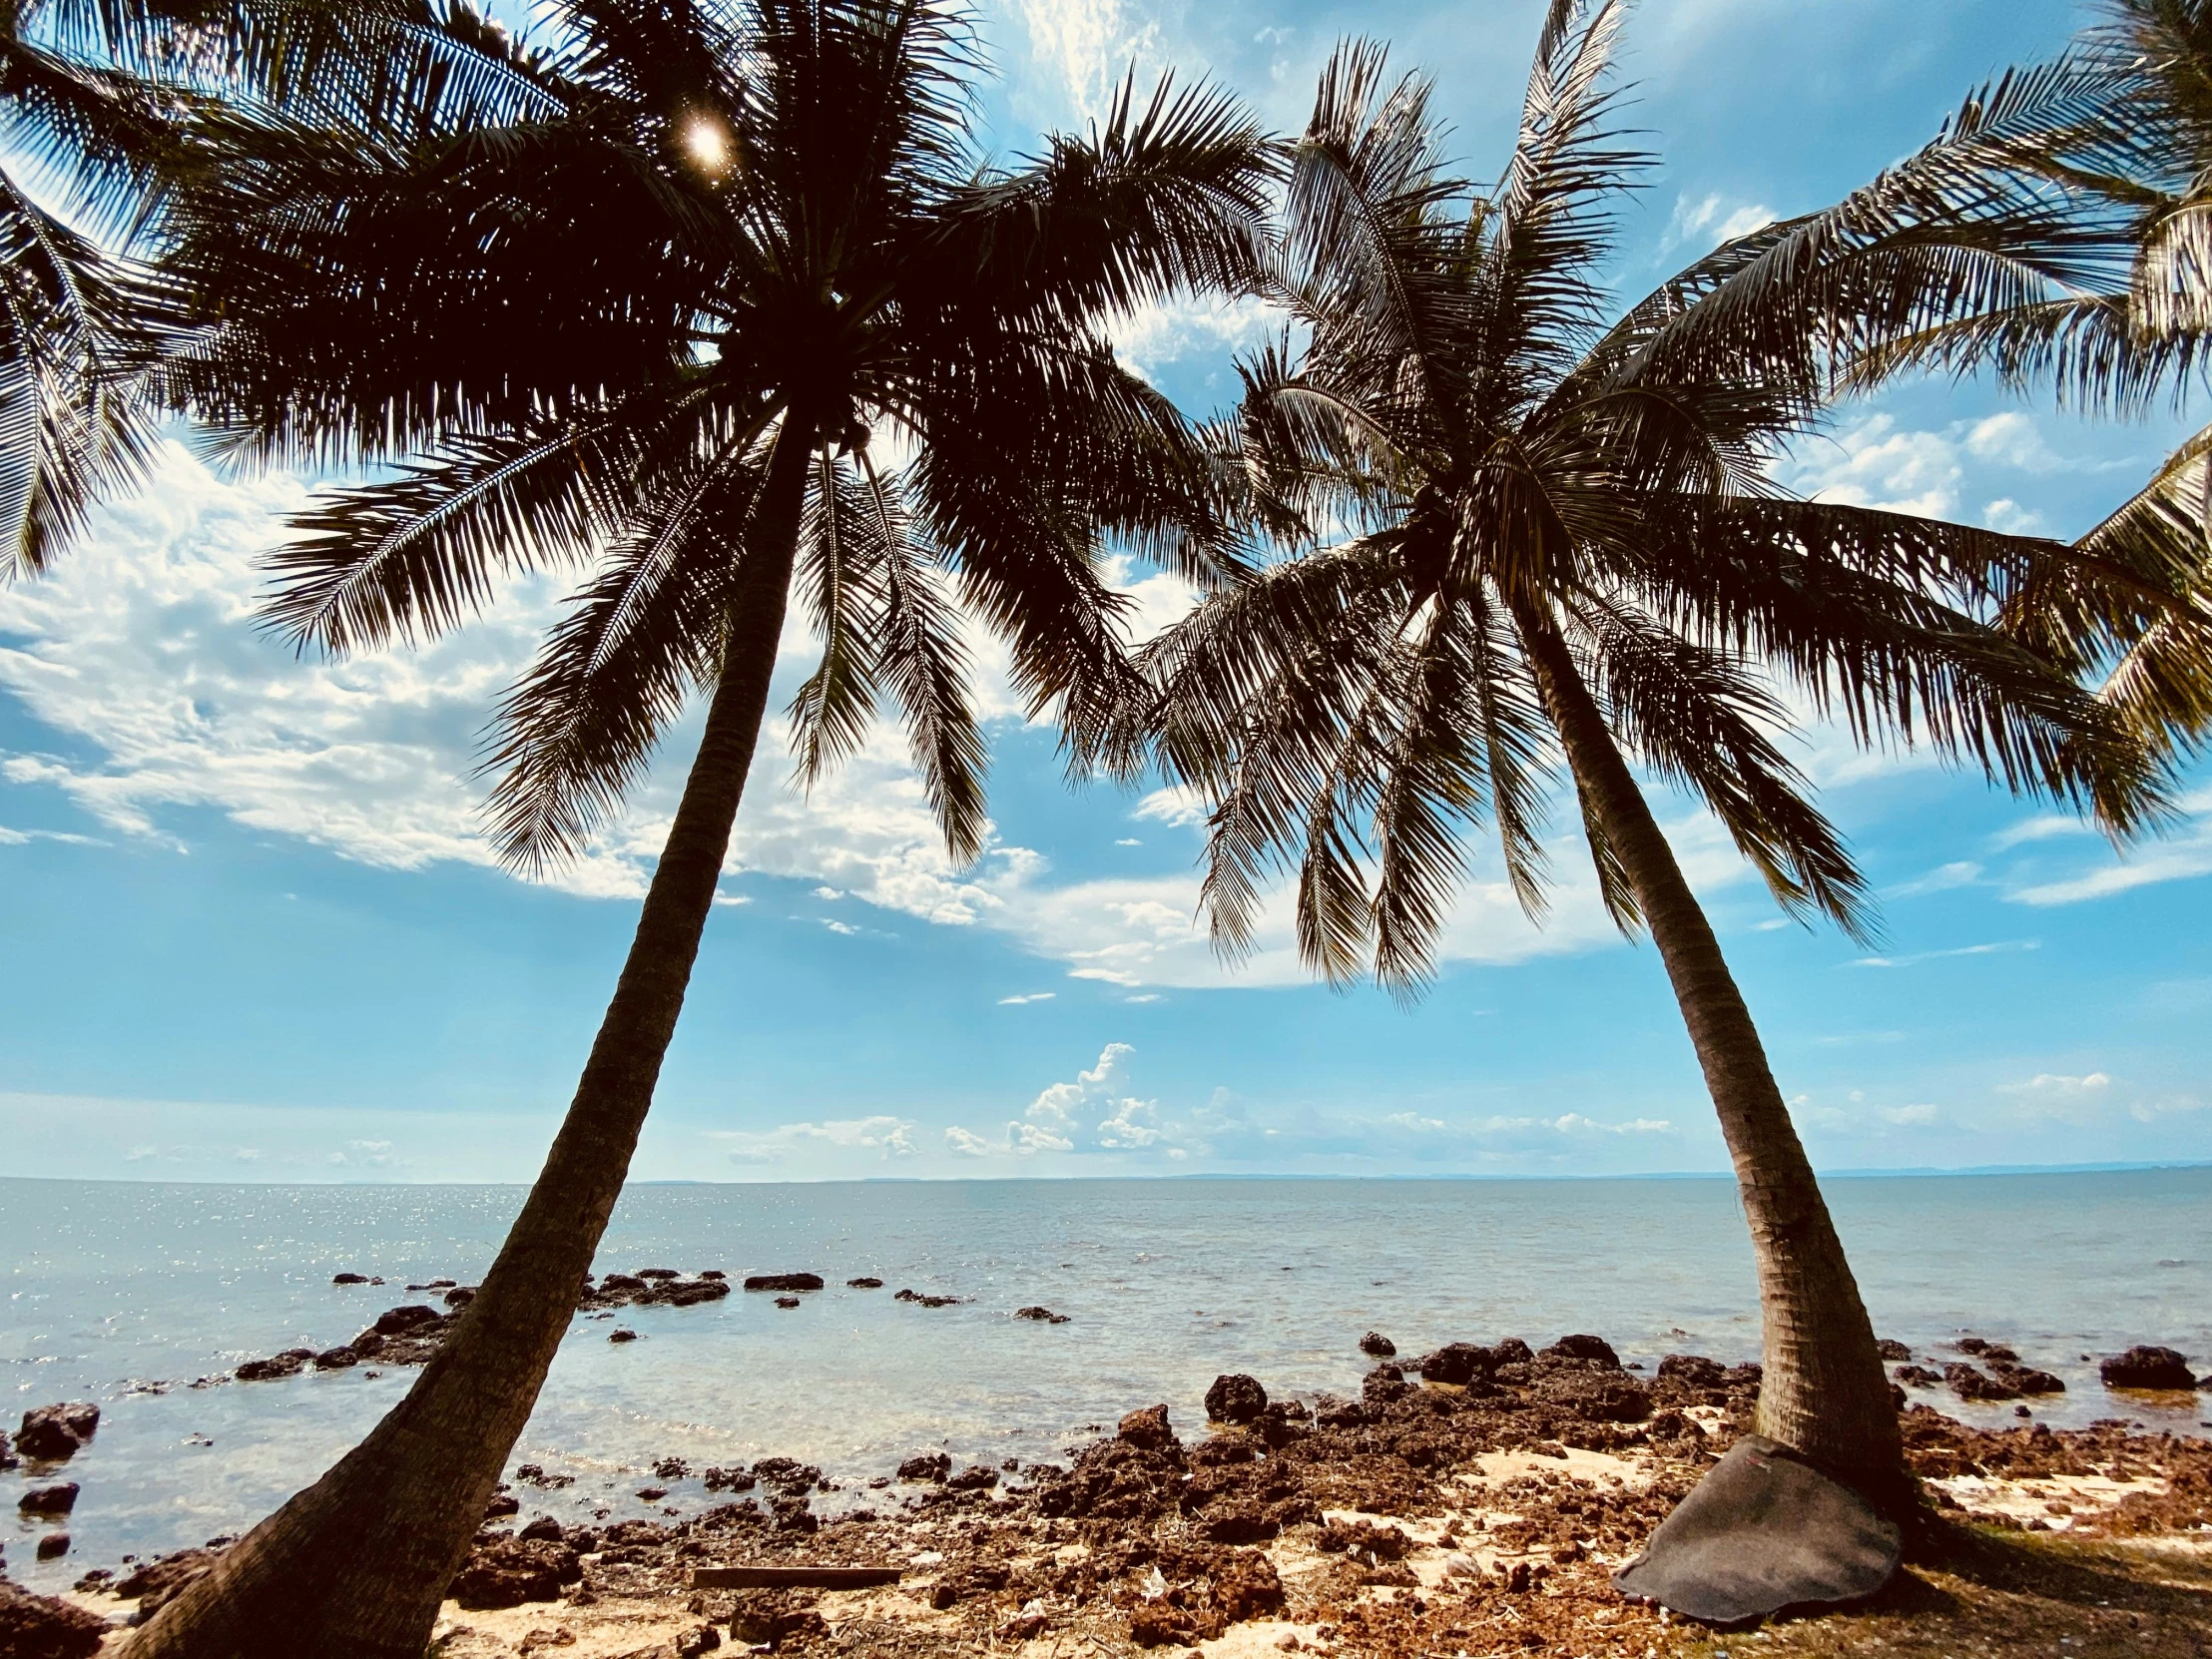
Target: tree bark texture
[(1824, 1392), (354, 1566)]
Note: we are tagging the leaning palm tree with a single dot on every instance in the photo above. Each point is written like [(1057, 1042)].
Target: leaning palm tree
[(713, 304), (1523, 528)]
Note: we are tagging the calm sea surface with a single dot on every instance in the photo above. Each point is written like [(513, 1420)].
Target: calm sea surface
[(1166, 1284)]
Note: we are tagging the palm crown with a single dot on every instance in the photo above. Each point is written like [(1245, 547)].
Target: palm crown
[(1521, 495), (593, 292)]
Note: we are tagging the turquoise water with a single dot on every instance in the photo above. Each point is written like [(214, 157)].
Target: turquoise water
[(1166, 1284)]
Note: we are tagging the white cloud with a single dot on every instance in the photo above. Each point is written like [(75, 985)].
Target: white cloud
[(2058, 1084), (1710, 221), (1027, 998), (1999, 947), (1089, 43), (883, 1137), (1181, 808), (1942, 879), (1935, 473), (1160, 333)]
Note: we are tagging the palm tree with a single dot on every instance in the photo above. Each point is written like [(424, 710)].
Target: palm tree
[(713, 304), (80, 327), (1523, 528)]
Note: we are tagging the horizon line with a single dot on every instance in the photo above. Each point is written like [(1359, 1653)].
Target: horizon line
[(1862, 1173)]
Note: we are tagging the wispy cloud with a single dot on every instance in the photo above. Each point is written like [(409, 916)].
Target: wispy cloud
[(1026, 998), (879, 1138), (2001, 948)]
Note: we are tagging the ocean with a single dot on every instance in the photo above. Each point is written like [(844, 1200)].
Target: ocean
[(124, 1293)]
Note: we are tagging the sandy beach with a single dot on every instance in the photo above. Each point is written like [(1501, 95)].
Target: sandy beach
[(1422, 1518)]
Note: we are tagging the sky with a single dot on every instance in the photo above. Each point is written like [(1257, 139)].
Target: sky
[(250, 930)]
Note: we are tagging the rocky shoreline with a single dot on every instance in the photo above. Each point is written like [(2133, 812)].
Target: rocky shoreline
[(1478, 1509)]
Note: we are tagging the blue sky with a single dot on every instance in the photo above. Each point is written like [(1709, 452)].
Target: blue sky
[(250, 932)]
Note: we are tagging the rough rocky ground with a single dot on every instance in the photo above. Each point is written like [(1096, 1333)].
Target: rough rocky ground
[(1478, 1517)]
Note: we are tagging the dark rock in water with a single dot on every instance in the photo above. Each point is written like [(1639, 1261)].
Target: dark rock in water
[(154, 1583), (1968, 1382), (503, 1504), (1890, 1348), (57, 1500), (615, 1282), (729, 1480), (1513, 1352), (287, 1364), (652, 1495), (926, 1300), (2025, 1379), (53, 1547), (52, 1434), (510, 1572), (1383, 1384), (783, 1281), (45, 1627), (349, 1279), (977, 1477), (712, 1273), (544, 1528), (1920, 1376), (8, 1460), (461, 1295), (1044, 1315), (1235, 1398), (671, 1468), (659, 1272), (786, 1475), (1984, 1348), (786, 1302), (1375, 1346), (1595, 1349), (336, 1358), (1693, 1370), (1457, 1363), (1333, 1411), (2142, 1366), (929, 1466), (864, 1284), (533, 1474), (621, 1335), (1148, 1431), (403, 1321)]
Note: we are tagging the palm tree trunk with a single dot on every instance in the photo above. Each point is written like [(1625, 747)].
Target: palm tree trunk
[(1824, 1391), (355, 1567)]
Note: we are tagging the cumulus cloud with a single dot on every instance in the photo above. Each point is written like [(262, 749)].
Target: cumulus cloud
[(1707, 222), (1945, 473), (1164, 332)]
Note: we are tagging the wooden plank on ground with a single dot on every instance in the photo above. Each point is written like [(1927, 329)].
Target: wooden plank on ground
[(805, 1577)]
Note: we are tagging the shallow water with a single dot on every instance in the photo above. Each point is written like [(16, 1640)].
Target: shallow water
[(1166, 1284)]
